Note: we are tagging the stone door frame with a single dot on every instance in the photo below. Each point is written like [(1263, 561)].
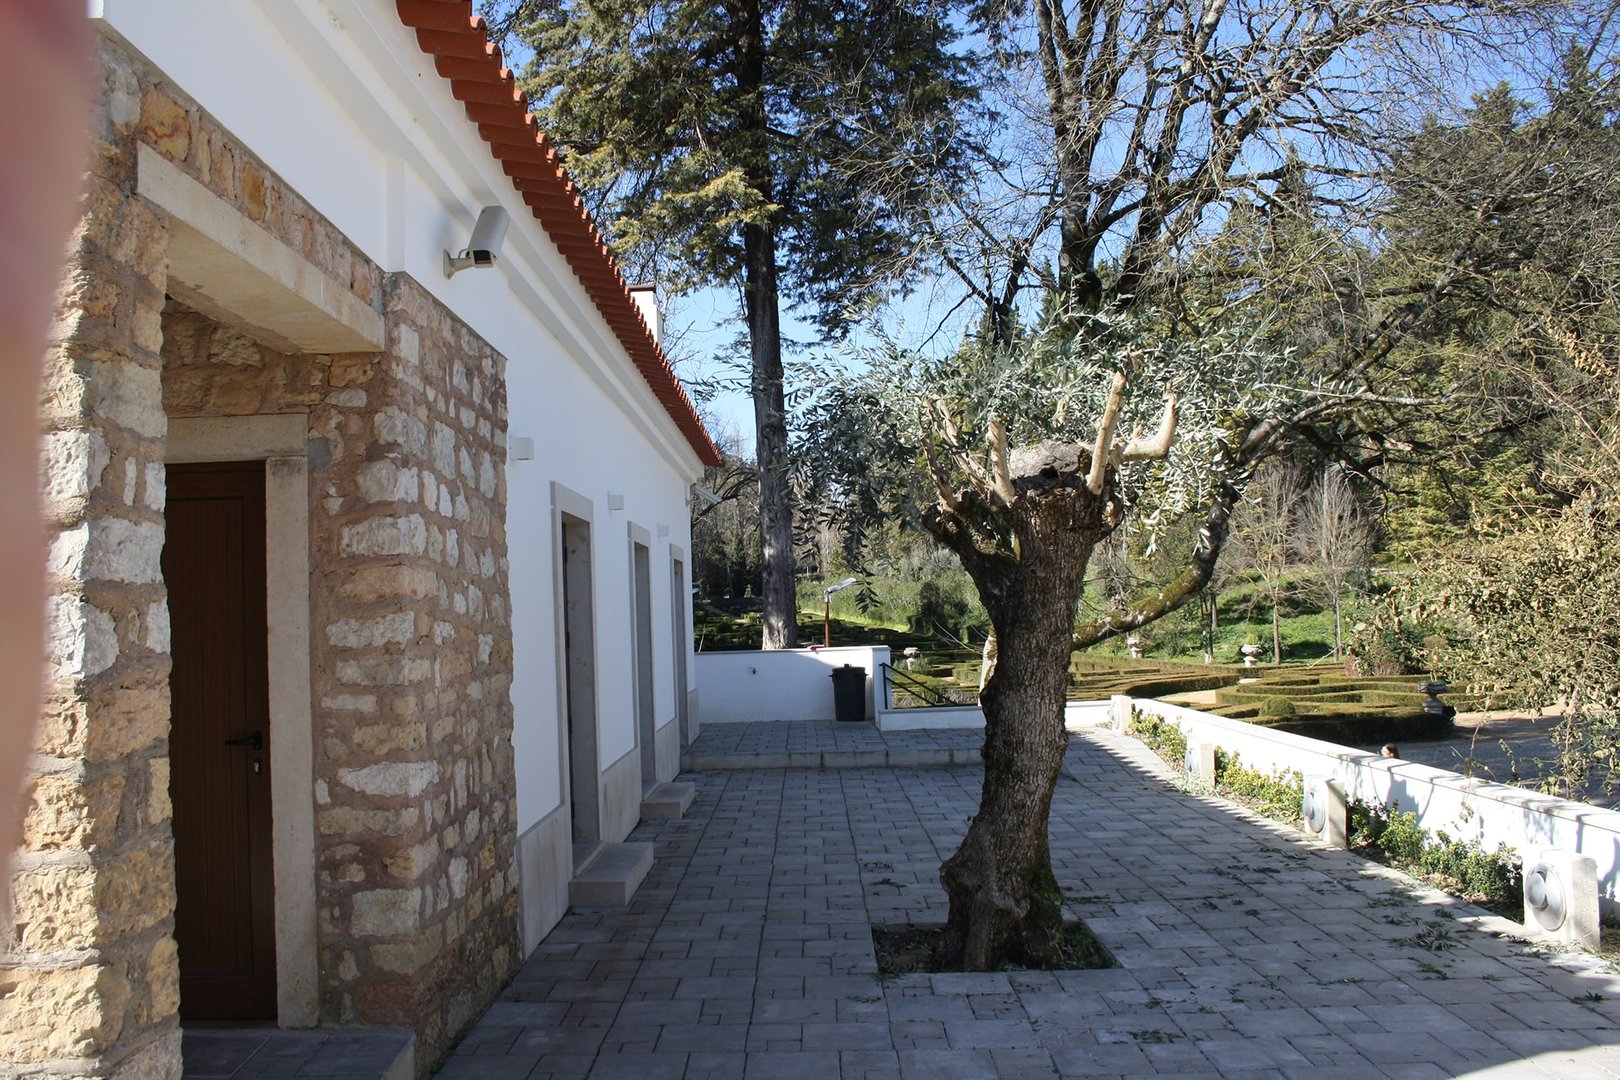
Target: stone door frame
[(281, 443), (680, 632), (644, 695), (577, 762)]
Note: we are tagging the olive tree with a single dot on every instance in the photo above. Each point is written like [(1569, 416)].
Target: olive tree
[(1035, 451), (1132, 139)]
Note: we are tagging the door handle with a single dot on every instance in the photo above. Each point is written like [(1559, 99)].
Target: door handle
[(255, 740)]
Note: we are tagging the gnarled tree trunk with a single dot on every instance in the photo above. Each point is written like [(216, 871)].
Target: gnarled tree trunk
[(1004, 898)]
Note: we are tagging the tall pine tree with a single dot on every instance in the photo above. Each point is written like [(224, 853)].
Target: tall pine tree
[(726, 140)]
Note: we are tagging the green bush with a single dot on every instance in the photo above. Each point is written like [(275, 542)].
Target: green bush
[(1276, 796), (1494, 878), (1277, 706), (1174, 684), (1160, 735)]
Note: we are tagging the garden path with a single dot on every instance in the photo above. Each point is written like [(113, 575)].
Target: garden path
[(1245, 951)]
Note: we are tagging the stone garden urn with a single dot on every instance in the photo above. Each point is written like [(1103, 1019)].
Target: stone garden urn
[(1251, 652), (1134, 644), (1434, 688)]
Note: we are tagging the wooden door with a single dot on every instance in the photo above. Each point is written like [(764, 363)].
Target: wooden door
[(219, 742)]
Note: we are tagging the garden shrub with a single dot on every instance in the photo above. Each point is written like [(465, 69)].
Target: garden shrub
[(1494, 878), (1160, 735), (1277, 796), (1277, 706)]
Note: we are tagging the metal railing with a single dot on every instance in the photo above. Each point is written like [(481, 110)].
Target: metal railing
[(903, 686)]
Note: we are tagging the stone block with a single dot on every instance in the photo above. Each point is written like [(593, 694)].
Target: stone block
[(398, 628), (386, 536), (1325, 811), (81, 640), (73, 464), (667, 801), (124, 551), (385, 481), (126, 394), (407, 957), (1561, 898), (395, 427), (611, 876), (66, 810), (55, 909), (391, 779), (353, 822), (393, 582), (73, 1013), (166, 124), (386, 912), (388, 671), (375, 740), (135, 891)]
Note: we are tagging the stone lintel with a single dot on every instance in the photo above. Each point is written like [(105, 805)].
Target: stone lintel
[(233, 271)]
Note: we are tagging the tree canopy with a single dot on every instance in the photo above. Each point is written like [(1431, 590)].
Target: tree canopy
[(716, 143)]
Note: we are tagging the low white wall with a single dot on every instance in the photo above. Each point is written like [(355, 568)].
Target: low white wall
[(786, 684), (1076, 714), (1463, 808)]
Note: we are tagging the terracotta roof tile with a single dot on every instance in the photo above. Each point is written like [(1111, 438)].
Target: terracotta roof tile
[(462, 53)]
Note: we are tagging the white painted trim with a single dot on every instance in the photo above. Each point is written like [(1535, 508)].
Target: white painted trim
[(228, 268), (280, 442)]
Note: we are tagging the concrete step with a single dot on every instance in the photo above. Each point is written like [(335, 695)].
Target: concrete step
[(667, 801), (611, 876)]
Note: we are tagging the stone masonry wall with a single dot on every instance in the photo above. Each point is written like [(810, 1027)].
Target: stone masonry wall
[(415, 796), (412, 650), (411, 656), (88, 976)]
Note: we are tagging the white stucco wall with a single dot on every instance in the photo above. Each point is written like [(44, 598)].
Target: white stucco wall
[(789, 684), (1463, 808), (337, 99)]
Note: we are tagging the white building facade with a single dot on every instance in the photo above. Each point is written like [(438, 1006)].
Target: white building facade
[(369, 584)]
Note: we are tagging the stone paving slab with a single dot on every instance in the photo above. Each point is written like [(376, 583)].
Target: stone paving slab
[(1246, 951)]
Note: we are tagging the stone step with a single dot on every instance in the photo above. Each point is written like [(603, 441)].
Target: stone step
[(667, 801), (908, 758), (611, 876), (365, 1054)]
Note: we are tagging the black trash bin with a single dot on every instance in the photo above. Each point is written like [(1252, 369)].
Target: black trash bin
[(849, 692)]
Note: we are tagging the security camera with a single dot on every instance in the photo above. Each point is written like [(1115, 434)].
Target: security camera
[(485, 244)]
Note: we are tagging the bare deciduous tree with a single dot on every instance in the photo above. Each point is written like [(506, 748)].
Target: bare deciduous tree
[(1333, 539), (1263, 539)]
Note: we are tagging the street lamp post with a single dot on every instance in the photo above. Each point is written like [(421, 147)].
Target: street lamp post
[(826, 610)]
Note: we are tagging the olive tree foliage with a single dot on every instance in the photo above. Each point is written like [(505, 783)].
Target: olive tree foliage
[(1033, 452)]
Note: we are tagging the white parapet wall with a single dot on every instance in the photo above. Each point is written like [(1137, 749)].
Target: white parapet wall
[(785, 684), (1076, 714), (1461, 807)]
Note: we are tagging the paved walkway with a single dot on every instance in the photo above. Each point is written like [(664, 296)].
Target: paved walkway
[(1245, 951)]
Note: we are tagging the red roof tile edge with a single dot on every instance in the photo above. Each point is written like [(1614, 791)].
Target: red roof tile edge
[(465, 58)]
